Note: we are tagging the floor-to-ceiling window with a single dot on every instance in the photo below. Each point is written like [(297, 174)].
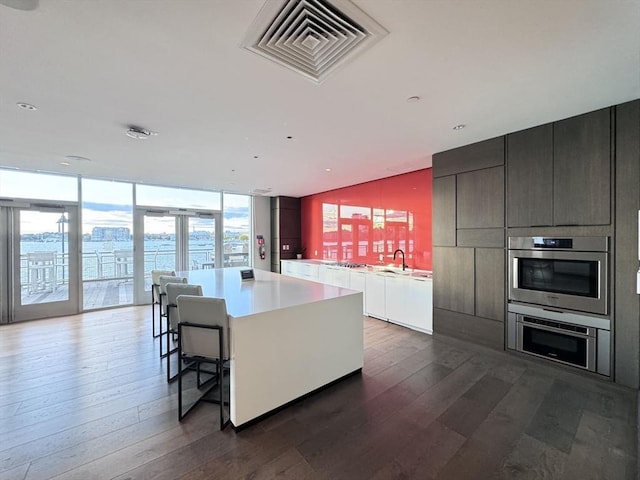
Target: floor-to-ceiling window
[(237, 230), (69, 243), (107, 243)]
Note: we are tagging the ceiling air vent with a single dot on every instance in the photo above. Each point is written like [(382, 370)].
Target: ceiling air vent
[(312, 37)]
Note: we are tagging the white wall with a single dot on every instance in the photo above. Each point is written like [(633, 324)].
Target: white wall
[(261, 211)]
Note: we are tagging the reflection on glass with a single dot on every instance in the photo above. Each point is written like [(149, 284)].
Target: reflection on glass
[(366, 233), (362, 240), (330, 231), (396, 216), (378, 231), (346, 242), (347, 211)]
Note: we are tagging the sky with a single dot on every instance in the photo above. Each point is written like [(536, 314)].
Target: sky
[(108, 203)]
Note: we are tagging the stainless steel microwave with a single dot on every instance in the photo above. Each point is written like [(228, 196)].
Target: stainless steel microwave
[(568, 273)]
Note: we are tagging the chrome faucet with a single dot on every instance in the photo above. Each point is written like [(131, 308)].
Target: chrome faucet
[(404, 266)]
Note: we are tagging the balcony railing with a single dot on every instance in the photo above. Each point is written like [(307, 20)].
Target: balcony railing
[(112, 265)]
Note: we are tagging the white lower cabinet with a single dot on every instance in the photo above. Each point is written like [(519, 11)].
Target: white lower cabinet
[(325, 274), (395, 295), (405, 300), (308, 271), (341, 277), (298, 269), (375, 303), (336, 276), (358, 282), (409, 303), (288, 268)]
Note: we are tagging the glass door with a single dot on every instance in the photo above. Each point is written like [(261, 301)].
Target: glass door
[(160, 242), (201, 248), (42, 270), (174, 240)]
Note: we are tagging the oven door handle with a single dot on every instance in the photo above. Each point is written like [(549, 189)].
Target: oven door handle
[(553, 309), (591, 332)]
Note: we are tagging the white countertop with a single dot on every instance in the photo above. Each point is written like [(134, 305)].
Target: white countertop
[(390, 269), (268, 291)]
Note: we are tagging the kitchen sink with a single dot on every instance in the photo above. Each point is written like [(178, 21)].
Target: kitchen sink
[(423, 275), (395, 272)]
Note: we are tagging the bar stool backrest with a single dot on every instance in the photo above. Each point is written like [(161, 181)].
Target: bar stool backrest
[(163, 280), (155, 281), (202, 342), (173, 291)]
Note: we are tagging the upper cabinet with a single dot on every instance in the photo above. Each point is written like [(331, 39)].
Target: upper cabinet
[(444, 211), (582, 170), (481, 198), (560, 173), (468, 194), (530, 177), (485, 154)]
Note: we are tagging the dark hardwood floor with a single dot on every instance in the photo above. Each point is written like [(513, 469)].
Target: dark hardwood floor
[(86, 397)]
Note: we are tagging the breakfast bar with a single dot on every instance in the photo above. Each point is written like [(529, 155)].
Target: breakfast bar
[(289, 337)]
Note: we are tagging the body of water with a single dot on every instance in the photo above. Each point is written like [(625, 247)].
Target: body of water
[(112, 259)]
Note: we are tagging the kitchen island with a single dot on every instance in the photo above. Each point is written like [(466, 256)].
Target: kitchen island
[(289, 337)]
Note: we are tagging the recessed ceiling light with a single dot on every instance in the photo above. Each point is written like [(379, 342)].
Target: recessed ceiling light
[(327, 169), (139, 133), (413, 99), (289, 137), (27, 106), (66, 164), (459, 127), (256, 156)]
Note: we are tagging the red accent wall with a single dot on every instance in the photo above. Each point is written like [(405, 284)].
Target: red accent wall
[(363, 221)]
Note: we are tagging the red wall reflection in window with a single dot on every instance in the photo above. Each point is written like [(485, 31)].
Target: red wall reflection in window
[(362, 222)]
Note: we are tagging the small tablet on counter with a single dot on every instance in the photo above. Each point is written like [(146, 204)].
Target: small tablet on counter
[(247, 274)]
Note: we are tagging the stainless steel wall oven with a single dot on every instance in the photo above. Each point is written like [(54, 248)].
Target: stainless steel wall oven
[(565, 273), (558, 300), (577, 340)]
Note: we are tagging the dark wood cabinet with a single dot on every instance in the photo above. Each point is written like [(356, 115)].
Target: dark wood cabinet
[(490, 283), (285, 230), (560, 174), (627, 301), (485, 154), (530, 177), (454, 289), (480, 198), (554, 179), (468, 220), (444, 211), (582, 169)]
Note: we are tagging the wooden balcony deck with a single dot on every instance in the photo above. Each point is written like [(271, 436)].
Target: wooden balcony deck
[(96, 294)]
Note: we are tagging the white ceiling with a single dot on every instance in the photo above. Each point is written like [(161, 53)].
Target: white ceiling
[(177, 67)]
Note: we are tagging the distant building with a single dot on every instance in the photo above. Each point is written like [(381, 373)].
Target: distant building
[(106, 234)]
